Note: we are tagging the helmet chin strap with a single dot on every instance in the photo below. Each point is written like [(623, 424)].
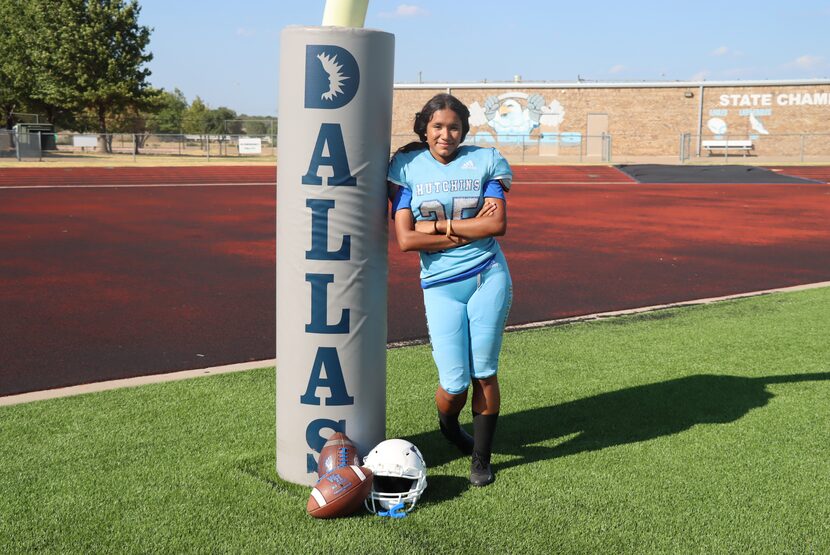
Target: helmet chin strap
[(394, 512)]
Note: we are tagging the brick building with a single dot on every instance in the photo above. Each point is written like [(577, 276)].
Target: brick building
[(781, 120)]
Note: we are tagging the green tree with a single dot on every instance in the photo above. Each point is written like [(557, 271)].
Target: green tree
[(14, 61), (195, 117), (90, 55), (137, 122), (218, 124), (169, 115), (258, 125), (53, 80)]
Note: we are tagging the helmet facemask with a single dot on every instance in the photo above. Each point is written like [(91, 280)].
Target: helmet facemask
[(399, 475)]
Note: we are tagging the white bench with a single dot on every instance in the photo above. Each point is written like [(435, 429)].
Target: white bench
[(721, 145)]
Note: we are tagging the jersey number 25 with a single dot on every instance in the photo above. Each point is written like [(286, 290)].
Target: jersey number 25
[(434, 209)]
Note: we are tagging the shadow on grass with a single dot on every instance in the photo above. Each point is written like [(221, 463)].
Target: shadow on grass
[(619, 417)]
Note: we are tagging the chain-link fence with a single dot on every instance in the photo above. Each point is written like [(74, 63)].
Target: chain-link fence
[(770, 149), (24, 144), (7, 143), (666, 148), (559, 148), (80, 145), (547, 148), (203, 145)]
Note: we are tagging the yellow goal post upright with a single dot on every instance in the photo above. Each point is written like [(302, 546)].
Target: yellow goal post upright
[(345, 13), (335, 110)]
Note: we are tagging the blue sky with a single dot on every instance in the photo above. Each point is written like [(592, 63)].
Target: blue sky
[(228, 52)]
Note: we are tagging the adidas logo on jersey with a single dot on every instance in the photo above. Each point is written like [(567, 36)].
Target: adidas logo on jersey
[(468, 165)]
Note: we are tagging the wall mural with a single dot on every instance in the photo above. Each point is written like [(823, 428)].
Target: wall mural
[(755, 107), (517, 117), (718, 127)]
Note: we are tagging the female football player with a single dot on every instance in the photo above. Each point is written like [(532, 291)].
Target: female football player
[(448, 204)]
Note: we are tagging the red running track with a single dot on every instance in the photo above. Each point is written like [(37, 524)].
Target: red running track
[(570, 174), (106, 283), (817, 173), (79, 177)]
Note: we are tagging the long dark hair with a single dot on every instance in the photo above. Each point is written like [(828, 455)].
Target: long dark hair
[(443, 101)]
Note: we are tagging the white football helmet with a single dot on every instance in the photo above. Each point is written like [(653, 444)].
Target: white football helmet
[(400, 475)]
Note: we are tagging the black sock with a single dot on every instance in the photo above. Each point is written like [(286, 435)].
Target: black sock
[(452, 430), (450, 421), (484, 428)]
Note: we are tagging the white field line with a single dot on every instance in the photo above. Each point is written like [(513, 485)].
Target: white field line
[(601, 315), (137, 185), (130, 382), (187, 374), (557, 182), (611, 314), (157, 185), (523, 182)]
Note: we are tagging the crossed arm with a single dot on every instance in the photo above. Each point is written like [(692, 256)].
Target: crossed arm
[(431, 235)]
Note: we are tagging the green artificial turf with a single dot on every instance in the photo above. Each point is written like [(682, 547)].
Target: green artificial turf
[(693, 430)]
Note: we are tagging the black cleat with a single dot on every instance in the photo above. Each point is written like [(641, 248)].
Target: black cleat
[(481, 474), (458, 437)]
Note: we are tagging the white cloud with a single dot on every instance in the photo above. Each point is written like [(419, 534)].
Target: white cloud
[(700, 75), (619, 68), (807, 61), (723, 51), (406, 10), (245, 32)]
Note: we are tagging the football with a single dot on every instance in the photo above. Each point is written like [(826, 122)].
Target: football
[(340, 492), (338, 451)]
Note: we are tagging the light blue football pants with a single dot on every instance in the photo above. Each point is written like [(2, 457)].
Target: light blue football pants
[(466, 321)]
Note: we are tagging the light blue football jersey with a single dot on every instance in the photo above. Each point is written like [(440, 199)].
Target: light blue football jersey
[(454, 190)]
